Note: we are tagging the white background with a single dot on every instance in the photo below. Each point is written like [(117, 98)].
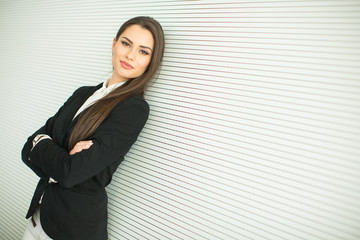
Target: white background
[(254, 130)]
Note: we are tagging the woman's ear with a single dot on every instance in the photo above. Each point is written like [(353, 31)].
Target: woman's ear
[(113, 45)]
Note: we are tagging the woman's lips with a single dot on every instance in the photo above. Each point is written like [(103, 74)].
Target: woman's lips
[(126, 65)]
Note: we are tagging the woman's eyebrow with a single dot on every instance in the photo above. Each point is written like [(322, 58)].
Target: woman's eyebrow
[(140, 45)]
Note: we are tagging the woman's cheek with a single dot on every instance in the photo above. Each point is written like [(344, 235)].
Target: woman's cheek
[(145, 64)]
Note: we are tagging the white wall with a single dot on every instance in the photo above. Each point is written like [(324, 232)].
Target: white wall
[(254, 130)]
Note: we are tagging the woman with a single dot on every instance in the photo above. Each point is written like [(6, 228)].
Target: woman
[(78, 149)]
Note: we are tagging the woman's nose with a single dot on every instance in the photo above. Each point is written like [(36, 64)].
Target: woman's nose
[(130, 54)]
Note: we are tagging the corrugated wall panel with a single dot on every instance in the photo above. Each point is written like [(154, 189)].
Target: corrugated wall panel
[(254, 125)]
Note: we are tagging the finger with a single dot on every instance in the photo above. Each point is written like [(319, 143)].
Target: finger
[(77, 149), (87, 144), (82, 146), (85, 147), (79, 146), (84, 143), (72, 152)]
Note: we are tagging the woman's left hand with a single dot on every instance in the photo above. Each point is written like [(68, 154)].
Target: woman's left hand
[(79, 146)]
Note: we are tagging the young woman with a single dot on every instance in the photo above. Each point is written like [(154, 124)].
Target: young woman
[(78, 149)]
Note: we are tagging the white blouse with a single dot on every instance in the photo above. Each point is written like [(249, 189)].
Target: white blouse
[(101, 92)]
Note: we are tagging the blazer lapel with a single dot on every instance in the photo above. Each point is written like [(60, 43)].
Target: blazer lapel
[(78, 104), (67, 116)]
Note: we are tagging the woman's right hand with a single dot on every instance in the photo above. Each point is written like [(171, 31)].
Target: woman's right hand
[(79, 146)]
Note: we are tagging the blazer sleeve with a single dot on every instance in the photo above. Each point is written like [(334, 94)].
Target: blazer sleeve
[(111, 141), (46, 129)]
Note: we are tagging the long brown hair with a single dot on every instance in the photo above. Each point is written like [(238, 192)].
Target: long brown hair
[(95, 115)]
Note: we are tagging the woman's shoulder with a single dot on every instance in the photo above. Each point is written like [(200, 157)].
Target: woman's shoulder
[(137, 100), (84, 89), (134, 102)]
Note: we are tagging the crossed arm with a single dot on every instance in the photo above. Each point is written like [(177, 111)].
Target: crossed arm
[(79, 146), (111, 141), (46, 129)]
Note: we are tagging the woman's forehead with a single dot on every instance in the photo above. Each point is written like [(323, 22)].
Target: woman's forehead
[(138, 36)]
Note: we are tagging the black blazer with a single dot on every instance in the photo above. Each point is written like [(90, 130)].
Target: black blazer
[(76, 206)]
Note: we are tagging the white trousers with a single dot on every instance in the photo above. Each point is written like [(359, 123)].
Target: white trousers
[(35, 232)]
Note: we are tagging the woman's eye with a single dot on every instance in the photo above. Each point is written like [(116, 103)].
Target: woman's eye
[(144, 52), (125, 44)]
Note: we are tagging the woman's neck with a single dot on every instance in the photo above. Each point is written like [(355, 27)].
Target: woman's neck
[(114, 80)]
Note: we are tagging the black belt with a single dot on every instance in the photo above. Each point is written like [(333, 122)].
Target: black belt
[(32, 218), (33, 221)]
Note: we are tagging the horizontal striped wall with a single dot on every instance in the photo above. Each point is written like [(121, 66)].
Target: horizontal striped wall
[(254, 130)]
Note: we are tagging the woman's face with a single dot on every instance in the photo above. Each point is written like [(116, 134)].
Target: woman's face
[(131, 53)]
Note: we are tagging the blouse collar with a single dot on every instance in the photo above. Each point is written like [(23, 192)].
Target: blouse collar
[(111, 87)]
